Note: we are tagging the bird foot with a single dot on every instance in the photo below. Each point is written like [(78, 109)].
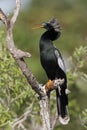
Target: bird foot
[(49, 85)]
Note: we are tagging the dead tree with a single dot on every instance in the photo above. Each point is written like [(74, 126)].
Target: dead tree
[(19, 55)]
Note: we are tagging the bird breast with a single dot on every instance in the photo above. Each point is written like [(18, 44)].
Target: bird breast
[(48, 59)]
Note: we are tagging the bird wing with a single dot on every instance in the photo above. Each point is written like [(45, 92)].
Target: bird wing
[(60, 59)]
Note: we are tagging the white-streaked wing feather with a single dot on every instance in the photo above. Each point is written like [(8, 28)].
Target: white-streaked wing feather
[(60, 60)]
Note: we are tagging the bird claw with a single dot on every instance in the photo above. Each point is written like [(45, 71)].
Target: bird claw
[(49, 85)]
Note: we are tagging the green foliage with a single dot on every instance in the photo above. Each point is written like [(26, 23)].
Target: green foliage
[(76, 78), (78, 63), (15, 93), (83, 118)]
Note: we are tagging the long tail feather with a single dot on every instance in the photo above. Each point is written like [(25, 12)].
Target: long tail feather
[(62, 103)]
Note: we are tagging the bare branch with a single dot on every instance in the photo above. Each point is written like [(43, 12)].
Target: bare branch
[(16, 12), (45, 114), (30, 78), (3, 17), (21, 126), (22, 118), (55, 119)]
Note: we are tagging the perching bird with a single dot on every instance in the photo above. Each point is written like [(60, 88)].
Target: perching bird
[(52, 62)]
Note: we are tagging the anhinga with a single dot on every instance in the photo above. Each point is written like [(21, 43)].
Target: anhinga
[(53, 64)]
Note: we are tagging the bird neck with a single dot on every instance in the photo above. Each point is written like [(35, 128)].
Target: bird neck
[(47, 38), (51, 35)]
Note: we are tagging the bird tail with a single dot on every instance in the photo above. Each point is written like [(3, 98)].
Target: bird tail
[(62, 107)]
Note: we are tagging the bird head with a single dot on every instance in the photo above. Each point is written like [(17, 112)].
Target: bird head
[(51, 24), (47, 26)]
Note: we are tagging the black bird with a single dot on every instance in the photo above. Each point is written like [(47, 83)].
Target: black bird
[(52, 62)]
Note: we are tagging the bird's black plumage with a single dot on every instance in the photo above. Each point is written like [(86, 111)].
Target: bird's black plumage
[(53, 64)]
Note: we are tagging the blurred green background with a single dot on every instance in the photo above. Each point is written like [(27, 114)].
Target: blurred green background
[(72, 15)]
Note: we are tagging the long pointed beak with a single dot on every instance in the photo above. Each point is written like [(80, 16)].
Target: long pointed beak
[(38, 26)]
